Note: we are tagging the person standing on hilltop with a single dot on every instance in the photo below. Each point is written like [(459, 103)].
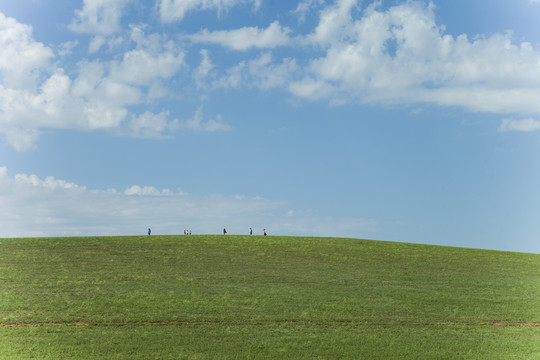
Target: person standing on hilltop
[(264, 232), (149, 231), (224, 231)]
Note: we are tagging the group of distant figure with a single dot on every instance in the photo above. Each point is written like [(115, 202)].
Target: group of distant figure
[(188, 232), (250, 231)]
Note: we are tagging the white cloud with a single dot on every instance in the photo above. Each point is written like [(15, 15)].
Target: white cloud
[(400, 55), (96, 97), (146, 190), (233, 78), (262, 72), (334, 22), (393, 55), (67, 48), (196, 123), (312, 88), (524, 125), (150, 125), (266, 75), (50, 183), (204, 69), (32, 206), (141, 67), (96, 44), (247, 37), (397, 54), (99, 17), (22, 59), (175, 10), (304, 7)]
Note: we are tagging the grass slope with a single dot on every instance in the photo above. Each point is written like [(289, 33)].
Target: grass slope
[(173, 297)]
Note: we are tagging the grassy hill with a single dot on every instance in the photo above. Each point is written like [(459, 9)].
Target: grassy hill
[(170, 297)]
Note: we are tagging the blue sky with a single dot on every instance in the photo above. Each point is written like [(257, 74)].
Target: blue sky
[(394, 120)]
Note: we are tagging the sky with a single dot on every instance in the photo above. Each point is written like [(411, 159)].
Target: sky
[(408, 121)]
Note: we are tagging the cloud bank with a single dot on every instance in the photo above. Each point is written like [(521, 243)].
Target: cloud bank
[(375, 54), (32, 206), (394, 55), (400, 55)]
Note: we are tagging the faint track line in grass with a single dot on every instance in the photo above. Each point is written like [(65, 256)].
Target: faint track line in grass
[(337, 323)]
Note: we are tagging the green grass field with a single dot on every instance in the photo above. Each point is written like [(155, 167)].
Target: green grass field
[(235, 297)]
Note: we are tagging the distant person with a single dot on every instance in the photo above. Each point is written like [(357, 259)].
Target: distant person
[(149, 231), (250, 231), (189, 232), (264, 232), (224, 231)]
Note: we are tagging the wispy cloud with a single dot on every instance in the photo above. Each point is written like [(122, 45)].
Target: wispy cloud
[(32, 206), (196, 123), (201, 73), (524, 125), (263, 72), (175, 10), (247, 37), (304, 7), (99, 16)]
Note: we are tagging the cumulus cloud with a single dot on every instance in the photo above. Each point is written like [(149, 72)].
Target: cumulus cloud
[(334, 23), (397, 54), (146, 190), (99, 17), (401, 55), (22, 59), (84, 104), (247, 37), (175, 10), (49, 183), (32, 206), (524, 125), (96, 97), (384, 55)]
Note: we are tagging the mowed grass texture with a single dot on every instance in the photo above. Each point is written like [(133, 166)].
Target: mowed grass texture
[(235, 297)]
